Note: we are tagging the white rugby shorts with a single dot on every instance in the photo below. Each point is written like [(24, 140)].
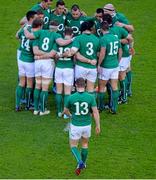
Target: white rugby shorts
[(124, 63), (86, 73), (76, 132), (106, 74), (64, 76), (44, 68), (26, 69)]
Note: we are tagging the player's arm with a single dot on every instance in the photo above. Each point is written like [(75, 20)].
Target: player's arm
[(48, 55), (66, 111), (101, 55), (28, 34), (17, 34), (84, 59), (63, 42), (97, 119), (23, 21), (119, 54), (128, 27)]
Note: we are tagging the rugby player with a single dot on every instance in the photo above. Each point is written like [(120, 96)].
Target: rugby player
[(25, 63), (79, 105), (109, 57), (43, 6)]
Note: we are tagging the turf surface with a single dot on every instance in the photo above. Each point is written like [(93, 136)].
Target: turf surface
[(37, 147)]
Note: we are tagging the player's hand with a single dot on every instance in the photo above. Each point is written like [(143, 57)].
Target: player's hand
[(97, 130), (36, 57), (119, 24), (132, 51), (66, 54), (93, 62)]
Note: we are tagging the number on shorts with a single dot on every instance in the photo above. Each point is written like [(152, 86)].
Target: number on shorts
[(90, 49), (84, 105), (45, 44), (113, 48)]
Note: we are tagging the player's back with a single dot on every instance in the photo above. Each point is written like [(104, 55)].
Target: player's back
[(80, 106), (26, 46), (46, 39), (88, 45), (112, 44)]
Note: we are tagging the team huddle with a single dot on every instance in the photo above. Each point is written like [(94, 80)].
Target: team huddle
[(79, 51)]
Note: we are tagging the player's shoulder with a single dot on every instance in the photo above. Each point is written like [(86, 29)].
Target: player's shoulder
[(120, 15)]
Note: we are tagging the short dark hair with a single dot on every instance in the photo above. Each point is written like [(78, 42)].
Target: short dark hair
[(80, 83), (60, 2), (68, 31), (30, 14), (75, 7), (46, 0), (39, 12), (99, 10), (37, 23), (105, 26), (108, 18), (87, 25)]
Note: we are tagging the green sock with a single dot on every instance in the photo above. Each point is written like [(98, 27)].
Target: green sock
[(123, 89), (29, 92), (66, 98), (84, 153), (19, 93), (115, 95), (100, 99), (76, 154), (43, 100), (36, 99), (129, 80), (58, 98)]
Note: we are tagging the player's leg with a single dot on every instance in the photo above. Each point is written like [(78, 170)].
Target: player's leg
[(37, 91), (19, 91), (30, 73), (115, 93), (44, 95), (29, 91), (21, 84), (59, 90), (103, 78), (101, 94), (129, 81), (91, 79), (122, 78), (47, 74), (122, 75), (75, 134), (84, 149)]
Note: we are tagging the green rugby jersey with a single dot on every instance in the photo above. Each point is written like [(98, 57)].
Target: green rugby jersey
[(121, 18), (88, 45), (111, 43), (26, 46), (97, 25), (45, 39), (66, 62), (60, 19), (80, 104), (75, 24), (46, 13), (121, 33)]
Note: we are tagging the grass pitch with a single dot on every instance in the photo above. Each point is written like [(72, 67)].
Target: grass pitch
[(37, 147)]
